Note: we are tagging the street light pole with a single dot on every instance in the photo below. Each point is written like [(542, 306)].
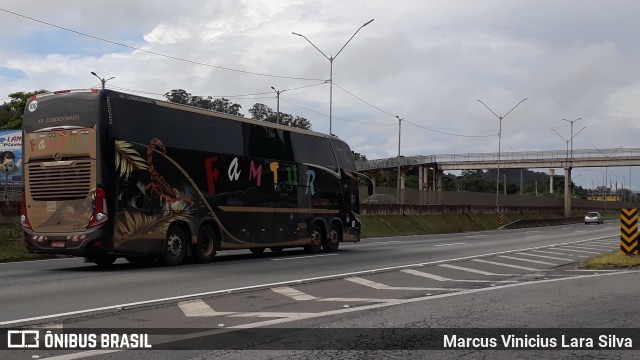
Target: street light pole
[(571, 122), (331, 58), (605, 173), (278, 109), (102, 80), (399, 134), (499, 143)]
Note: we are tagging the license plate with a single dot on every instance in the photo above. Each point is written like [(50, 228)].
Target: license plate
[(58, 244)]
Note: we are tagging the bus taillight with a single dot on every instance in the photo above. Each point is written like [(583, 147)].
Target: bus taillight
[(24, 219), (100, 215)]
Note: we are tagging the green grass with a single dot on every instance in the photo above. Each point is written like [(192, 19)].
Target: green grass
[(613, 260), (11, 246)]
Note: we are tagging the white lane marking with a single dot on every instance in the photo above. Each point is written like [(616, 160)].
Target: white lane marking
[(358, 300), (554, 253), (567, 248), (603, 242), (475, 236), (534, 236), (580, 231), (382, 242), (283, 283), (597, 247), (531, 231), (527, 260), (474, 271), (293, 293), (342, 311), (196, 308), (451, 244), (545, 257), (442, 278), (302, 257), (505, 265), (566, 228), (199, 308), (379, 286)]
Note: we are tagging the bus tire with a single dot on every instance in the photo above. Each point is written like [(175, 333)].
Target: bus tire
[(332, 241), (102, 260), (206, 244), (317, 239), (257, 250), (276, 249), (175, 248)]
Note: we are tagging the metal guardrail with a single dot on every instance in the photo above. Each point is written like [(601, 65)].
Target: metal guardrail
[(603, 154)]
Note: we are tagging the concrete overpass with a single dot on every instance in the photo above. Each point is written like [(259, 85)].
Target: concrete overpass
[(507, 160)]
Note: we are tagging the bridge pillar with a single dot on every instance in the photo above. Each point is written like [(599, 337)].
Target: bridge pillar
[(552, 173), (567, 192)]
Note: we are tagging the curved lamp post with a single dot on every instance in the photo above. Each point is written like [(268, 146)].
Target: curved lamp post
[(331, 58), (102, 80), (499, 141)]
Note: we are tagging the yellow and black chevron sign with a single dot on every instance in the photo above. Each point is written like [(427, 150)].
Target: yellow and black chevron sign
[(629, 231)]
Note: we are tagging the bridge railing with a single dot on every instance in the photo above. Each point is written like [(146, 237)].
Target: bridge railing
[(504, 156)]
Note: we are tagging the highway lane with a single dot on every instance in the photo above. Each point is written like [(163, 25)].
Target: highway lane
[(41, 288)]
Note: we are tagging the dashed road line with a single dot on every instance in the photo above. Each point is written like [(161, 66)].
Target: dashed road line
[(379, 286), (442, 278), (545, 257), (526, 260), (302, 257), (293, 293), (556, 253), (506, 265), (474, 271), (567, 248), (451, 244)]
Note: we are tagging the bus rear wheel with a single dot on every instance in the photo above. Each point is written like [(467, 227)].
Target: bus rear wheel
[(176, 247), (317, 239), (332, 242), (206, 244)]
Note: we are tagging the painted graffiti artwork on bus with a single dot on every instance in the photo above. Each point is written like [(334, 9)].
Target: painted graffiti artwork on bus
[(150, 201)]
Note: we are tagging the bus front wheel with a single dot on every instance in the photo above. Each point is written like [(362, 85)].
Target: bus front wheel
[(176, 247), (206, 244), (317, 239)]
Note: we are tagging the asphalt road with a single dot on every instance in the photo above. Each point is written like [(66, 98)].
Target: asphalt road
[(42, 288), (376, 299)]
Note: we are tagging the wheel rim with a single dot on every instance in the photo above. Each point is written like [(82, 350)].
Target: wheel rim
[(334, 237), (174, 245), (316, 239)]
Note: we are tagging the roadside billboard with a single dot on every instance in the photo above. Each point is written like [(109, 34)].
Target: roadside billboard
[(11, 157)]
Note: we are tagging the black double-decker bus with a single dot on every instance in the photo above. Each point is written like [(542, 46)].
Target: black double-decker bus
[(109, 174)]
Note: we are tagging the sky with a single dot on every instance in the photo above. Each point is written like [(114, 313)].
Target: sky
[(427, 62)]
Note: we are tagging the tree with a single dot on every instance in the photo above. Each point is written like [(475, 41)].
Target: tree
[(358, 156), (11, 116), (223, 105), (178, 96), (264, 113)]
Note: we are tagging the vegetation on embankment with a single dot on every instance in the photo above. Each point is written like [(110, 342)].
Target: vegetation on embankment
[(613, 260), (11, 246)]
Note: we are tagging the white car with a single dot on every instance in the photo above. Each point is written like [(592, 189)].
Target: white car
[(593, 217)]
